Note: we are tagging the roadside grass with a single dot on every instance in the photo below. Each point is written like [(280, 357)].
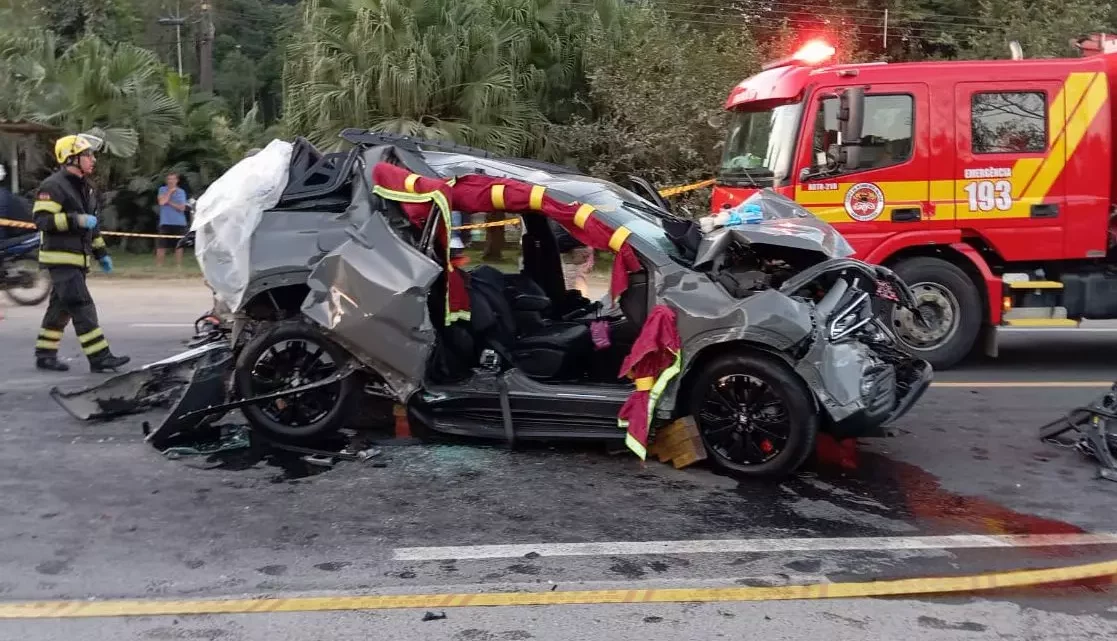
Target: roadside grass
[(142, 266)]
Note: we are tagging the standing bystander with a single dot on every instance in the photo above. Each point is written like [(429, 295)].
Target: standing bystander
[(172, 219)]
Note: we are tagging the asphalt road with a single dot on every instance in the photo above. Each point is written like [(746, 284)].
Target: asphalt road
[(90, 512)]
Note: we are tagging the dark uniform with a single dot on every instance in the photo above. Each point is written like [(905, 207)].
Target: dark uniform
[(66, 250)]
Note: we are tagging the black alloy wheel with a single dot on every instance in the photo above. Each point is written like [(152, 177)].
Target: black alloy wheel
[(756, 417), (292, 354)]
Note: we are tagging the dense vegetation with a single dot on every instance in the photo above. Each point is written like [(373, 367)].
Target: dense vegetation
[(614, 86)]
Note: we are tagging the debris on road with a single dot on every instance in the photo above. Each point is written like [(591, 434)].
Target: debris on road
[(231, 438), (1090, 432), (432, 616)]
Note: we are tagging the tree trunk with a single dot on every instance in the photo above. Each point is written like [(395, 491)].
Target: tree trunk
[(494, 238)]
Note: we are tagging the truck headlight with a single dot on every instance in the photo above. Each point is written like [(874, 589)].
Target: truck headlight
[(851, 317)]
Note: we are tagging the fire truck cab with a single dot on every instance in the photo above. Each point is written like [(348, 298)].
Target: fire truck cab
[(987, 185)]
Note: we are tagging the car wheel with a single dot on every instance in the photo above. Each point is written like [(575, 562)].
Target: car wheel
[(950, 305), (756, 417), (289, 354)]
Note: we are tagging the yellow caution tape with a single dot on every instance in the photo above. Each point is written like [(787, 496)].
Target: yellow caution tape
[(930, 585), (675, 191), (22, 224)]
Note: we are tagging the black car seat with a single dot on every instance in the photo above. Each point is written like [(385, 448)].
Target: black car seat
[(549, 351)]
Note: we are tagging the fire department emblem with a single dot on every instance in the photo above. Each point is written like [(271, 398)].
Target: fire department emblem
[(864, 202)]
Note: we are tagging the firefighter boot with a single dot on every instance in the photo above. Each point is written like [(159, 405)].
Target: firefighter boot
[(51, 363), (105, 361)]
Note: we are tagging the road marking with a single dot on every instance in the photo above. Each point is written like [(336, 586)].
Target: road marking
[(174, 325), (715, 546), (269, 603), (1021, 384)]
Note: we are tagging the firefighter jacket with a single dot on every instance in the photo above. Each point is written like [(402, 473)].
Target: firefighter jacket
[(63, 199)]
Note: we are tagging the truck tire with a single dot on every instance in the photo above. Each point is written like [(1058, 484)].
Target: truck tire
[(756, 417), (289, 352), (954, 307)]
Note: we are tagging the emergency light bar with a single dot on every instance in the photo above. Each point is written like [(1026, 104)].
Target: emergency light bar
[(812, 53)]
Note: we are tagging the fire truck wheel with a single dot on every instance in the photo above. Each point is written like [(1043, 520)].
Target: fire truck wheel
[(951, 307)]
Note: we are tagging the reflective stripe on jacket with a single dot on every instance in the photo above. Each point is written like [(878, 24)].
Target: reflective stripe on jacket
[(61, 202)]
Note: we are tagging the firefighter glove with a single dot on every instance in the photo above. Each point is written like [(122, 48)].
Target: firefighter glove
[(106, 264), (87, 221)]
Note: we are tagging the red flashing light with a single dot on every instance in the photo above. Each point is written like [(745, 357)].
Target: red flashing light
[(814, 52)]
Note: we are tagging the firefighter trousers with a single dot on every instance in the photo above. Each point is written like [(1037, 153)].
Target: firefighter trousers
[(70, 300)]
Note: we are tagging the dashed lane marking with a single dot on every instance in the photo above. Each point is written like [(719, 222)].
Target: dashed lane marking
[(268, 603), (721, 546), (1021, 384)]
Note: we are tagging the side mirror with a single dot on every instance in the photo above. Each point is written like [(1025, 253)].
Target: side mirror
[(851, 122)]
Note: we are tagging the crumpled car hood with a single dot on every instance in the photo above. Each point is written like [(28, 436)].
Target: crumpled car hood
[(785, 224)]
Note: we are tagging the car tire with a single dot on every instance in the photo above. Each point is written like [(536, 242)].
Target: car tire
[(942, 280), (41, 276), (797, 401), (345, 393)]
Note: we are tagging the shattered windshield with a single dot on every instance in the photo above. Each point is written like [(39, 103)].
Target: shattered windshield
[(760, 146)]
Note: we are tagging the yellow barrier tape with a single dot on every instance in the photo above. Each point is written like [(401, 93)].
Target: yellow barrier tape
[(22, 224), (930, 585), (675, 191)]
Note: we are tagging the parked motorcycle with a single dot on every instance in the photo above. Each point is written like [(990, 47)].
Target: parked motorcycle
[(21, 279)]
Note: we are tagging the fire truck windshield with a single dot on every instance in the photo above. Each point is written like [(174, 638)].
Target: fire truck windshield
[(760, 146)]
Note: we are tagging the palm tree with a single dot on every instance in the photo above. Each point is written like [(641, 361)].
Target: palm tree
[(483, 72)]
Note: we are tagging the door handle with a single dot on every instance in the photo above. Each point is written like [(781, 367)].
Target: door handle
[(1045, 211), (907, 215)]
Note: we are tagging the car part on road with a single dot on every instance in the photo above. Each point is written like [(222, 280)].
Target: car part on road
[(1094, 432)]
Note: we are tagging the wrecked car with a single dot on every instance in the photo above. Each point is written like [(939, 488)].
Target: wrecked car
[(343, 293)]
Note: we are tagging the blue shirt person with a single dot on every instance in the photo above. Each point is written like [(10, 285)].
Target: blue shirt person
[(172, 219)]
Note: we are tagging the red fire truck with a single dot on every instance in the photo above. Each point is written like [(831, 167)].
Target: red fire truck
[(987, 185)]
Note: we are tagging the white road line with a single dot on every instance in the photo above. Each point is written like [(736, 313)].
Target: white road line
[(190, 325), (621, 548)]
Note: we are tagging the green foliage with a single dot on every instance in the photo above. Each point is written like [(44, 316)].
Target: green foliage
[(483, 72), (656, 90)]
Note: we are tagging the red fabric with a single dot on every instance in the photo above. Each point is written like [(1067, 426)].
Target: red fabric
[(654, 351)]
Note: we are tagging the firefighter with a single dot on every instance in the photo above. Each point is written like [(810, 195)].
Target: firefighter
[(64, 212)]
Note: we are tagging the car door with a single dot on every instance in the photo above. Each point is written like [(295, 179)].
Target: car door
[(889, 191), (1010, 151), (371, 294)]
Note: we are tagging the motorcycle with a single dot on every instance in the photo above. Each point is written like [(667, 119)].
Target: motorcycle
[(21, 278)]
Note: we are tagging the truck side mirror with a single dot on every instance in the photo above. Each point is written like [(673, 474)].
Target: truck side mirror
[(851, 122)]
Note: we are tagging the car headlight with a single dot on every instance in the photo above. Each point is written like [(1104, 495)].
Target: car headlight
[(851, 317)]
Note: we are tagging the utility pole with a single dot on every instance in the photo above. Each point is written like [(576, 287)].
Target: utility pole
[(177, 23), (886, 30), (205, 50)]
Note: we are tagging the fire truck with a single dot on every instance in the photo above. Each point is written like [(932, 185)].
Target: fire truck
[(987, 185)]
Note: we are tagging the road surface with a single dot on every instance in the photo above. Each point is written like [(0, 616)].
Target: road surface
[(90, 512)]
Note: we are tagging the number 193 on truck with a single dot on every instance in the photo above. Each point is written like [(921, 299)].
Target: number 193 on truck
[(987, 185)]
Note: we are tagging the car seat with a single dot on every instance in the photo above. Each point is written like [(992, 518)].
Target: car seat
[(544, 350)]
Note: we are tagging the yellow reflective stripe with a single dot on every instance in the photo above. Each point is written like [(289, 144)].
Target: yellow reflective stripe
[(48, 206), (616, 241), (582, 215), (636, 446), (98, 242), (50, 333), (63, 258), (644, 383), (45, 344), (61, 222), (409, 184), (537, 192), (497, 195), (90, 335), (99, 346)]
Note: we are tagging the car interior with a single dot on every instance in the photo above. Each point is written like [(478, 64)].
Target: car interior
[(532, 322)]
